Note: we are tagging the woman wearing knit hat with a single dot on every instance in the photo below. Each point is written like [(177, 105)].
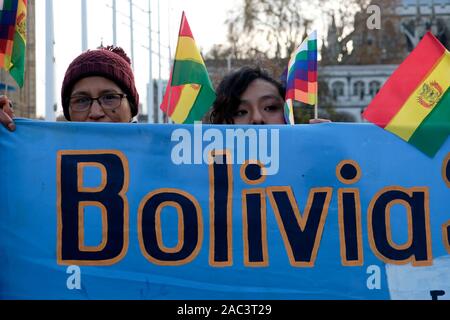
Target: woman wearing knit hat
[(98, 87)]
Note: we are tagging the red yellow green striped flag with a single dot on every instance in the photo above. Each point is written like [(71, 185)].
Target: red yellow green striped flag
[(414, 103), (13, 38), (189, 93)]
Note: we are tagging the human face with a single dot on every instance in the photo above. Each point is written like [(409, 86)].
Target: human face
[(95, 87), (261, 103)]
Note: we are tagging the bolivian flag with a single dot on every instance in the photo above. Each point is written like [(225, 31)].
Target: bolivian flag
[(189, 93), (414, 103)]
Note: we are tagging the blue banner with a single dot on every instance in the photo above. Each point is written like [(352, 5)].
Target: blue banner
[(132, 211)]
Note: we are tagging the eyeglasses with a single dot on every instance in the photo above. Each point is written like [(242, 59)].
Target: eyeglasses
[(108, 101)]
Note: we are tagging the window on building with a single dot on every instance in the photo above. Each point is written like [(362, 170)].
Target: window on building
[(337, 89), (374, 87), (359, 89)]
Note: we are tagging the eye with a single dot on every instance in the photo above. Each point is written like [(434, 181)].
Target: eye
[(81, 100), (240, 113), (110, 100), (272, 108), (110, 97)]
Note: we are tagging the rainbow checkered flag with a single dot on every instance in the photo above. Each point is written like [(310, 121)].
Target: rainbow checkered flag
[(301, 83), (13, 35)]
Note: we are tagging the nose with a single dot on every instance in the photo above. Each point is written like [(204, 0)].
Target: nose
[(96, 112), (257, 117)]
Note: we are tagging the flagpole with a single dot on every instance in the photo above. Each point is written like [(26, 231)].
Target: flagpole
[(150, 92), (3, 81), (169, 84), (132, 34), (160, 118), (49, 63), (166, 116), (316, 106), (84, 35), (114, 8)]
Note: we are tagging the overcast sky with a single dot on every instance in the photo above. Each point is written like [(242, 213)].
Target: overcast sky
[(206, 18)]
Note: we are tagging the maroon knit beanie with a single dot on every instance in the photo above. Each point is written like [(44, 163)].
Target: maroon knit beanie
[(111, 63)]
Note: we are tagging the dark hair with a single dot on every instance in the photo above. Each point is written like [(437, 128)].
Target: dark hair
[(232, 87)]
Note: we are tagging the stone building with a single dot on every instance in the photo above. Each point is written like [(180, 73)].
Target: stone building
[(355, 76)]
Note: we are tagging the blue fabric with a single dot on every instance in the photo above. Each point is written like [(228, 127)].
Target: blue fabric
[(309, 155)]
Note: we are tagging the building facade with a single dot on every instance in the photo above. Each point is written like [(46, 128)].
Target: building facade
[(354, 77), (352, 87)]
